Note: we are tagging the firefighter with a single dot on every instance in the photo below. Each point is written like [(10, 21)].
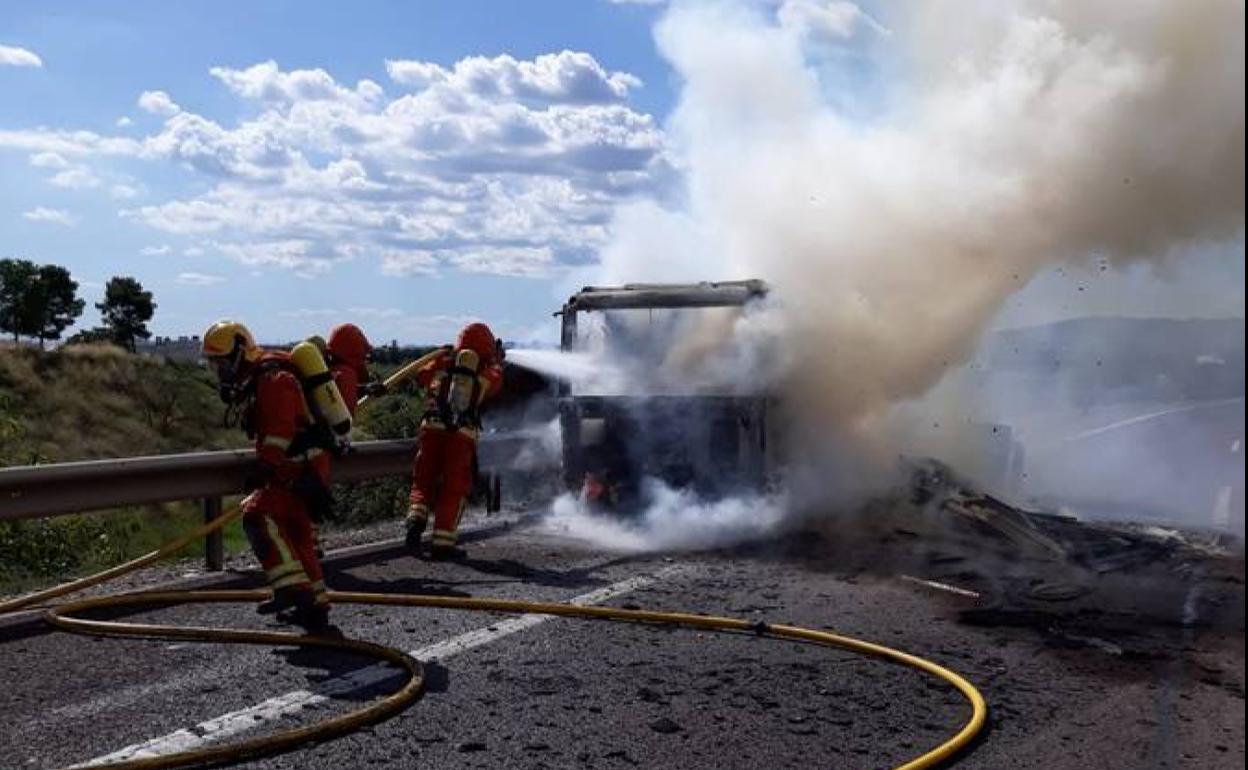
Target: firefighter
[(347, 353), (456, 384), (263, 392)]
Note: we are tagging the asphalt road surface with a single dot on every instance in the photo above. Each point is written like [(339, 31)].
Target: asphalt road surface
[(540, 692)]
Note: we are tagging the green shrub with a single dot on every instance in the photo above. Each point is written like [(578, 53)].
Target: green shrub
[(97, 401)]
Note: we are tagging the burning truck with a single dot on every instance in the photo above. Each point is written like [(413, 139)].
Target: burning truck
[(658, 410)]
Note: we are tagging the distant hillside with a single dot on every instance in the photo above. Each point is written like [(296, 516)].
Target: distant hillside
[(1148, 359), (85, 402), (91, 402)]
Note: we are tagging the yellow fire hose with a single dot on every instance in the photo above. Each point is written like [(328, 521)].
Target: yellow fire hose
[(405, 373), (63, 617)]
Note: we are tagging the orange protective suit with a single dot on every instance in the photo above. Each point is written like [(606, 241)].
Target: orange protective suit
[(292, 476), (348, 362), (443, 472)]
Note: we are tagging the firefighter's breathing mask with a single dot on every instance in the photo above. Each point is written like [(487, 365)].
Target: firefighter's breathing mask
[(229, 386)]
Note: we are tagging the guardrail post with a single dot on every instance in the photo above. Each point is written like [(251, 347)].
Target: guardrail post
[(214, 544)]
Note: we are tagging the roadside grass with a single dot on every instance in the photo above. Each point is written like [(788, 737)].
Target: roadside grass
[(97, 401), (36, 553)]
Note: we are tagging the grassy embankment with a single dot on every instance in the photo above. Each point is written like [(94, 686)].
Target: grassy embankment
[(95, 402)]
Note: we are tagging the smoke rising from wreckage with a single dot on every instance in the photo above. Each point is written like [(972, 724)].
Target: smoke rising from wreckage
[(1075, 579)]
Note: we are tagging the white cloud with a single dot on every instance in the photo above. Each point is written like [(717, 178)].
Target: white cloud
[(488, 165), (567, 77), (415, 73), (198, 279), (155, 251), (826, 20), (67, 142), (158, 103), (376, 312), (73, 176), (124, 122), (304, 257), (51, 216), (48, 160), (525, 262), (193, 251), (76, 178), (397, 262), (266, 82), (12, 56), (123, 191), (519, 261)]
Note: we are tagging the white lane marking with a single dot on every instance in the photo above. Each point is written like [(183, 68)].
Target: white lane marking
[(1153, 416), (1222, 509), (940, 586), (236, 722)]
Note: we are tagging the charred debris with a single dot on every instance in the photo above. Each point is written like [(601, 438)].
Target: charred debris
[(1111, 586)]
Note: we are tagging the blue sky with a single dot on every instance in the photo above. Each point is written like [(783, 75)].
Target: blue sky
[(105, 180), (410, 165)]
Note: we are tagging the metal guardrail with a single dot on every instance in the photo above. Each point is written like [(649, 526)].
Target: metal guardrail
[(39, 491), (36, 491)]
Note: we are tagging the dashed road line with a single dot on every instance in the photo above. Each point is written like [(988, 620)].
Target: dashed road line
[(235, 722)]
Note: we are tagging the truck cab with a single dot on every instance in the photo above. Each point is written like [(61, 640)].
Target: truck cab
[(655, 417)]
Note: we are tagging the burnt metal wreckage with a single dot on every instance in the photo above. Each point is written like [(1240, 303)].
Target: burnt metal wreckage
[(713, 443), (1019, 533), (1083, 583)]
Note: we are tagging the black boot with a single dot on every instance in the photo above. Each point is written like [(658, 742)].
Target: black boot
[(315, 620), (415, 531), (284, 599), (447, 553)]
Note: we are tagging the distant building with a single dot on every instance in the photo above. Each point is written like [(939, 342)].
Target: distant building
[(178, 348)]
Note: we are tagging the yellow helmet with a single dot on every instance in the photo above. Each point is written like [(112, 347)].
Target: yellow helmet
[(225, 338)]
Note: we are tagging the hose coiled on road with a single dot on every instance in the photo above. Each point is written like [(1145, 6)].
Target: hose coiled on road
[(64, 616)]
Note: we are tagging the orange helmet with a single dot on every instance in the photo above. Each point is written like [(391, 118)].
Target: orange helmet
[(348, 343), (478, 338)]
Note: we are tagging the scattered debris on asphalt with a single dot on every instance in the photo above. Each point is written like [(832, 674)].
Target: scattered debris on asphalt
[(1123, 589)]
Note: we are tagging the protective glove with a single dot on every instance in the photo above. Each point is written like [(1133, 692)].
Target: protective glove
[(373, 389), (342, 445)]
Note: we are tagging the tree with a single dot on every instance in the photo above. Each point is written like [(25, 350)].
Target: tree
[(54, 303), (126, 310), (17, 281), (90, 336), (37, 301)]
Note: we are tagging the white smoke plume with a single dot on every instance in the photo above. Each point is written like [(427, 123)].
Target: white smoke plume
[(674, 520), (897, 178)]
